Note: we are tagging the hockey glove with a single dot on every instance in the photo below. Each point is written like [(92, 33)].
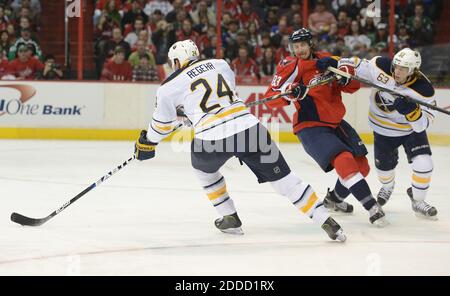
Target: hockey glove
[(323, 63), (344, 81), (299, 91), (412, 111), (144, 149)]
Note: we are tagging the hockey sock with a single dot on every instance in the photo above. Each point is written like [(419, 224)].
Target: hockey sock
[(358, 186), (216, 190), (340, 191), (302, 196), (387, 178), (422, 166)]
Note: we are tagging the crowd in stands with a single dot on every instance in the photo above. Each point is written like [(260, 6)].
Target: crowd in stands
[(133, 36), (20, 52)]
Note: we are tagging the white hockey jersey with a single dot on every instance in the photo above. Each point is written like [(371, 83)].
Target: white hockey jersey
[(383, 118), (206, 90)]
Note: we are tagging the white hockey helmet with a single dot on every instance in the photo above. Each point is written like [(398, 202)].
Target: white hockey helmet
[(408, 58), (183, 51)]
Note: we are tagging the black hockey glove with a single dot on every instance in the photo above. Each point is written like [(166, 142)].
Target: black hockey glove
[(323, 63), (144, 149), (299, 91), (412, 111)]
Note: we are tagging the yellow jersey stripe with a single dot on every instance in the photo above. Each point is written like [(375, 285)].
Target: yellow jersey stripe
[(218, 193), (163, 128), (311, 200), (391, 124), (224, 114)]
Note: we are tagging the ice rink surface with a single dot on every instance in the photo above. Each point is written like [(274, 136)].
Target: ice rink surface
[(152, 218)]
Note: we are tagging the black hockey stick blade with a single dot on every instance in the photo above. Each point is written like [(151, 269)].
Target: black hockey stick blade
[(26, 221)]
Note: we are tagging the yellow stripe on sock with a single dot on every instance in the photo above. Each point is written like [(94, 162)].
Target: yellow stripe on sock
[(311, 200), (224, 114), (421, 180), (218, 193)]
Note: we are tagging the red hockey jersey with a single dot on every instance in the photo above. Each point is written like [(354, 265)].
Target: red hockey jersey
[(322, 106)]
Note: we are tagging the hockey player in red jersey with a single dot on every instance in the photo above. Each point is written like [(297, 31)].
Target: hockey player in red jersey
[(319, 124)]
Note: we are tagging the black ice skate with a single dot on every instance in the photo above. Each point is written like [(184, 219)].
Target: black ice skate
[(384, 195), (334, 230), (377, 216), (421, 207), (332, 203), (229, 224)]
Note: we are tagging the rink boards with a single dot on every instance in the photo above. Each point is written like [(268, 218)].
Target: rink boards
[(117, 111)]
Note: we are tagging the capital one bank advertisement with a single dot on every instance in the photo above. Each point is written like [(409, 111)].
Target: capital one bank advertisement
[(44, 104)]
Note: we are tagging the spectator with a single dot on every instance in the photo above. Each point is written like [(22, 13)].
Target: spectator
[(144, 71), (117, 40), (163, 38), (382, 38), (141, 50), (134, 13), (295, 8), (243, 65), (210, 51), (320, 20), (297, 22), (403, 37), (12, 33), (232, 50), (113, 13), (426, 25), (103, 30), (247, 15), (4, 64), (420, 35), (163, 5), (52, 71), (25, 66), (268, 64), (356, 38), (26, 40), (171, 17), (132, 37), (186, 32), (4, 41), (154, 18), (4, 21), (117, 69), (283, 50), (343, 24), (349, 6), (203, 11), (279, 31), (370, 29)]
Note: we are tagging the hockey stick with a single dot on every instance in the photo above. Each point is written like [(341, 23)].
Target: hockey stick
[(322, 81), (26, 221), (362, 80)]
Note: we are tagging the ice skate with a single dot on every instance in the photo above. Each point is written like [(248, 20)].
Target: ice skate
[(422, 208), (384, 194), (229, 224), (377, 216), (330, 202), (334, 230)]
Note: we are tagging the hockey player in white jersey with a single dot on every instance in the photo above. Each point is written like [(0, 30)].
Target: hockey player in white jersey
[(398, 122), (224, 128)]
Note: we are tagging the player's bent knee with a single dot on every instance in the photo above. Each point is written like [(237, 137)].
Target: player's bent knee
[(345, 165), (422, 163), (364, 167), (286, 185)]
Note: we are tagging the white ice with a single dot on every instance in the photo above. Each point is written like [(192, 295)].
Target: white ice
[(152, 218)]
